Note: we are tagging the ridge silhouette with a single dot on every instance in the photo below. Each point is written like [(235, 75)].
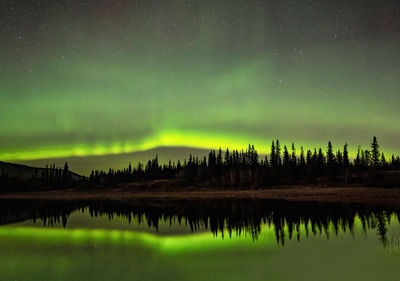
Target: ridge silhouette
[(231, 169)]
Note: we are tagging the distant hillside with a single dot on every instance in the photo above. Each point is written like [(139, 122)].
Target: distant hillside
[(84, 165), (26, 172)]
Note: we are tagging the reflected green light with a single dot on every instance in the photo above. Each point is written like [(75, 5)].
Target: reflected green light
[(99, 254), (165, 244)]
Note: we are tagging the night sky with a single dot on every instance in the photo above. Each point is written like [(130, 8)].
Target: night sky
[(84, 78)]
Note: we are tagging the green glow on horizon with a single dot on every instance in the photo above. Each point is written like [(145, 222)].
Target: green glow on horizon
[(169, 139), (191, 139), (204, 77)]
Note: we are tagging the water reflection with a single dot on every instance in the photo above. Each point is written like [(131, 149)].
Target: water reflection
[(241, 217)]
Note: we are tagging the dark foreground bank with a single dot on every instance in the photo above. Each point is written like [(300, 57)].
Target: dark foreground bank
[(388, 197)]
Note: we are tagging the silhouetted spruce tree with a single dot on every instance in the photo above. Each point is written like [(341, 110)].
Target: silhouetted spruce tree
[(330, 161), (320, 163), (293, 167), (148, 167), (339, 159), (227, 158), (140, 167), (278, 154), (253, 157), (367, 158), (266, 163), (286, 165), (309, 164), (302, 159), (383, 161), (308, 157), (358, 165), (286, 159), (294, 159), (375, 152), (219, 158), (273, 156), (330, 158), (346, 161)]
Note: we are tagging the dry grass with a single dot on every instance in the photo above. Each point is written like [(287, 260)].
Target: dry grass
[(372, 196)]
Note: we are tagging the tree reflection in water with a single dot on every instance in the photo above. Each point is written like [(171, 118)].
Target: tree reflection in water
[(238, 216)]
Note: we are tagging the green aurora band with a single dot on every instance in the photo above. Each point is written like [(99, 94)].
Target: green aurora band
[(204, 75)]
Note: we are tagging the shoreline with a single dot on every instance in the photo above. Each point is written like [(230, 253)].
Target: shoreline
[(385, 197)]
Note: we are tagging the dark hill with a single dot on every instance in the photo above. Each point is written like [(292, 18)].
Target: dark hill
[(26, 172), (85, 164)]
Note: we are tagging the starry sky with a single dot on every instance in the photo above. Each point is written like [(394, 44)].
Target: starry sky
[(87, 78)]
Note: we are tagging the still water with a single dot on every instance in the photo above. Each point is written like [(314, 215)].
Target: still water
[(197, 240)]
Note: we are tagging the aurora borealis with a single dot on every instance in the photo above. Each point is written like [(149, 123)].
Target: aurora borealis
[(84, 78)]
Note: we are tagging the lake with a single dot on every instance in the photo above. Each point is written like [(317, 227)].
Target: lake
[(227, 239)]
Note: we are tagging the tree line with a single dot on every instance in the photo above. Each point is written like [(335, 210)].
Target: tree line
[(245, 168), (237, 169)]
